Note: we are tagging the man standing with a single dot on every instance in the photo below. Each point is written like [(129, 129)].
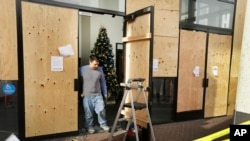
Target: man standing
[(94, 84)]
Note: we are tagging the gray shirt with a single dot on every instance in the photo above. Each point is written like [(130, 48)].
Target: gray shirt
[(93, 81)]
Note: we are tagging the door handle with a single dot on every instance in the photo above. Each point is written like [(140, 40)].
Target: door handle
[(205, 82), (76, 84)]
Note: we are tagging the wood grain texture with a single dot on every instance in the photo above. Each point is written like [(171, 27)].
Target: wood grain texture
[(192, 54), (8, 41), (137, 56), (166, 33), (166, 23), (137, 66), (219, 51), (51, 104), (165, 51), (132, 5)]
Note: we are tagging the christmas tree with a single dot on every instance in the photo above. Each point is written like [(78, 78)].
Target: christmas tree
[(104, 52)]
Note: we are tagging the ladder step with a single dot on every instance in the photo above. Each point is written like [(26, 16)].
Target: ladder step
[(137, 105), (124, 119), (119, 132)]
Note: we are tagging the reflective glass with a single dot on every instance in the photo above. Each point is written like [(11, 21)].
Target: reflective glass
[(114, 5), (215, 13)]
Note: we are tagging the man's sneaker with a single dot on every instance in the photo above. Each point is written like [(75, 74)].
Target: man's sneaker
[(105, 128), (91, 130)]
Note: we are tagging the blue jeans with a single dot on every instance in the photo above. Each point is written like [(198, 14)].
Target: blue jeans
[(93, 104)]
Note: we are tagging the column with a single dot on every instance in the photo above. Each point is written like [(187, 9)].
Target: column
[(242, 106)]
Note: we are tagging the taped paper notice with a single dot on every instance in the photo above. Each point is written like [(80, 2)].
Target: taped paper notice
[(56, 63), (215, 70), (12, 137), (66, 50), (196, 71), (155, 64)]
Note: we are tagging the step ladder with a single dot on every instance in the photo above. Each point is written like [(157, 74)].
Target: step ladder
[(134, 105)]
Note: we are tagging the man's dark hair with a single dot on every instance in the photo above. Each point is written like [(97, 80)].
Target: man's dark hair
[(93, 58)]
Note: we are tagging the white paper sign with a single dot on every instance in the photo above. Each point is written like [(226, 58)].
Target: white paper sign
[(56, 63), (12, 137), (155, 64), (66, 50), (196, 71), (215, 70)]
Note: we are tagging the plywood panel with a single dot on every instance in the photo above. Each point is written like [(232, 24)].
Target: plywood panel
[(50, 100), (137, 66), (137, 58), (133, 5), (137, 52), (166, 27), (8, 41), (166, 52), (192, 55), (139, 26), (166, 23), (167, 4), (219, 49)]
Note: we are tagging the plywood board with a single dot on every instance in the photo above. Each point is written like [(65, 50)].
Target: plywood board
[(192, 55), (138, 27), (166, 53), (166, 27), (137, 52), (167, 4), (133, 5), (166, 23), (137, 66), (219, 50), (8, 41), (51, 104), (137, 58)]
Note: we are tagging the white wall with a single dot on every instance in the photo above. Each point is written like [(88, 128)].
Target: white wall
[(84, 38), (242, 95)]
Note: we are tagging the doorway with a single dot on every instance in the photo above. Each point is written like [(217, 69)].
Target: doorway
[(203, 74), (89, 26)]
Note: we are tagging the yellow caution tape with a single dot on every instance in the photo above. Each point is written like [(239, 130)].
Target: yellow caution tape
[(219, 133)]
